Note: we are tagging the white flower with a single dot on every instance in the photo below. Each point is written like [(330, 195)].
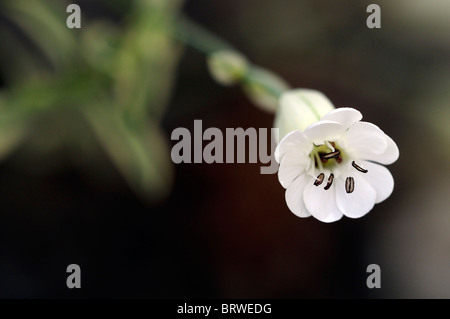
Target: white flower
[(332, 167)]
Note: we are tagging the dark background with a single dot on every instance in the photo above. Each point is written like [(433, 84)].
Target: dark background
[(224, 231)]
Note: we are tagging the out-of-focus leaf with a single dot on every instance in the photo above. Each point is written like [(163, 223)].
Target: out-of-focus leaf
[(99, 44), (21, 104), (11, 134), (18, 63), (73, 89), (46, 25), (138, 71), (139, 151), (147, 59)]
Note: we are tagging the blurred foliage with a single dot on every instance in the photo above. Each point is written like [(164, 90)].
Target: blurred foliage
[(119, 77)]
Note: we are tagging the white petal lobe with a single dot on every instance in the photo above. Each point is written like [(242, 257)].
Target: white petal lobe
[(324, 131), (389, 156), (343, 115), (364, 140), (321, 203), (294, 141), (294, 196), (380, 179), (292, 165), (359, 202)]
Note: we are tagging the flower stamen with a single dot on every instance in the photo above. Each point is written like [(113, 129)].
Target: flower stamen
[(359, 168), (331, 155), (319, 179), (318, 161), (330, 181), (330, 145), (349, 185)]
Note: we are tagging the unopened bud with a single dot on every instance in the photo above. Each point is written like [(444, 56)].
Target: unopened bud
[(227, 67), (264, 88), (300, 108)]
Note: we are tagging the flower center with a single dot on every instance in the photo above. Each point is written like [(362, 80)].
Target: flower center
[(328, 156)]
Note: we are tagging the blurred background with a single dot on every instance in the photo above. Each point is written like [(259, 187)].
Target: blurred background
[(86, 176)]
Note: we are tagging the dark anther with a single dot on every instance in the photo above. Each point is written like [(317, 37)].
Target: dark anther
[(330, 181), (331, 155), (319, 179), (349, 185), (359, 168)]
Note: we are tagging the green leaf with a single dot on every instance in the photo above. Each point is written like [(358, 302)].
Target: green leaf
[(139, 151), (147, 59), (46, 26)]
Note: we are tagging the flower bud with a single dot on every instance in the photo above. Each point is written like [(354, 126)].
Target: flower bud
[(300, 108), (264, 88), (227, 67)]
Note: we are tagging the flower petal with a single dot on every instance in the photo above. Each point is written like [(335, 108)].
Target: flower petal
[(294, 196), (321, 203), (292, 165), (381, 180), (364, 140), (321, 104), (300, 108), (344, 115), (389, 156), (324, 131), (294, 141), (359, 202)]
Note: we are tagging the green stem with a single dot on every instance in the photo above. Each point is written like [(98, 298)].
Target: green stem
[(263, 86), (252, 77), (192, 34)]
